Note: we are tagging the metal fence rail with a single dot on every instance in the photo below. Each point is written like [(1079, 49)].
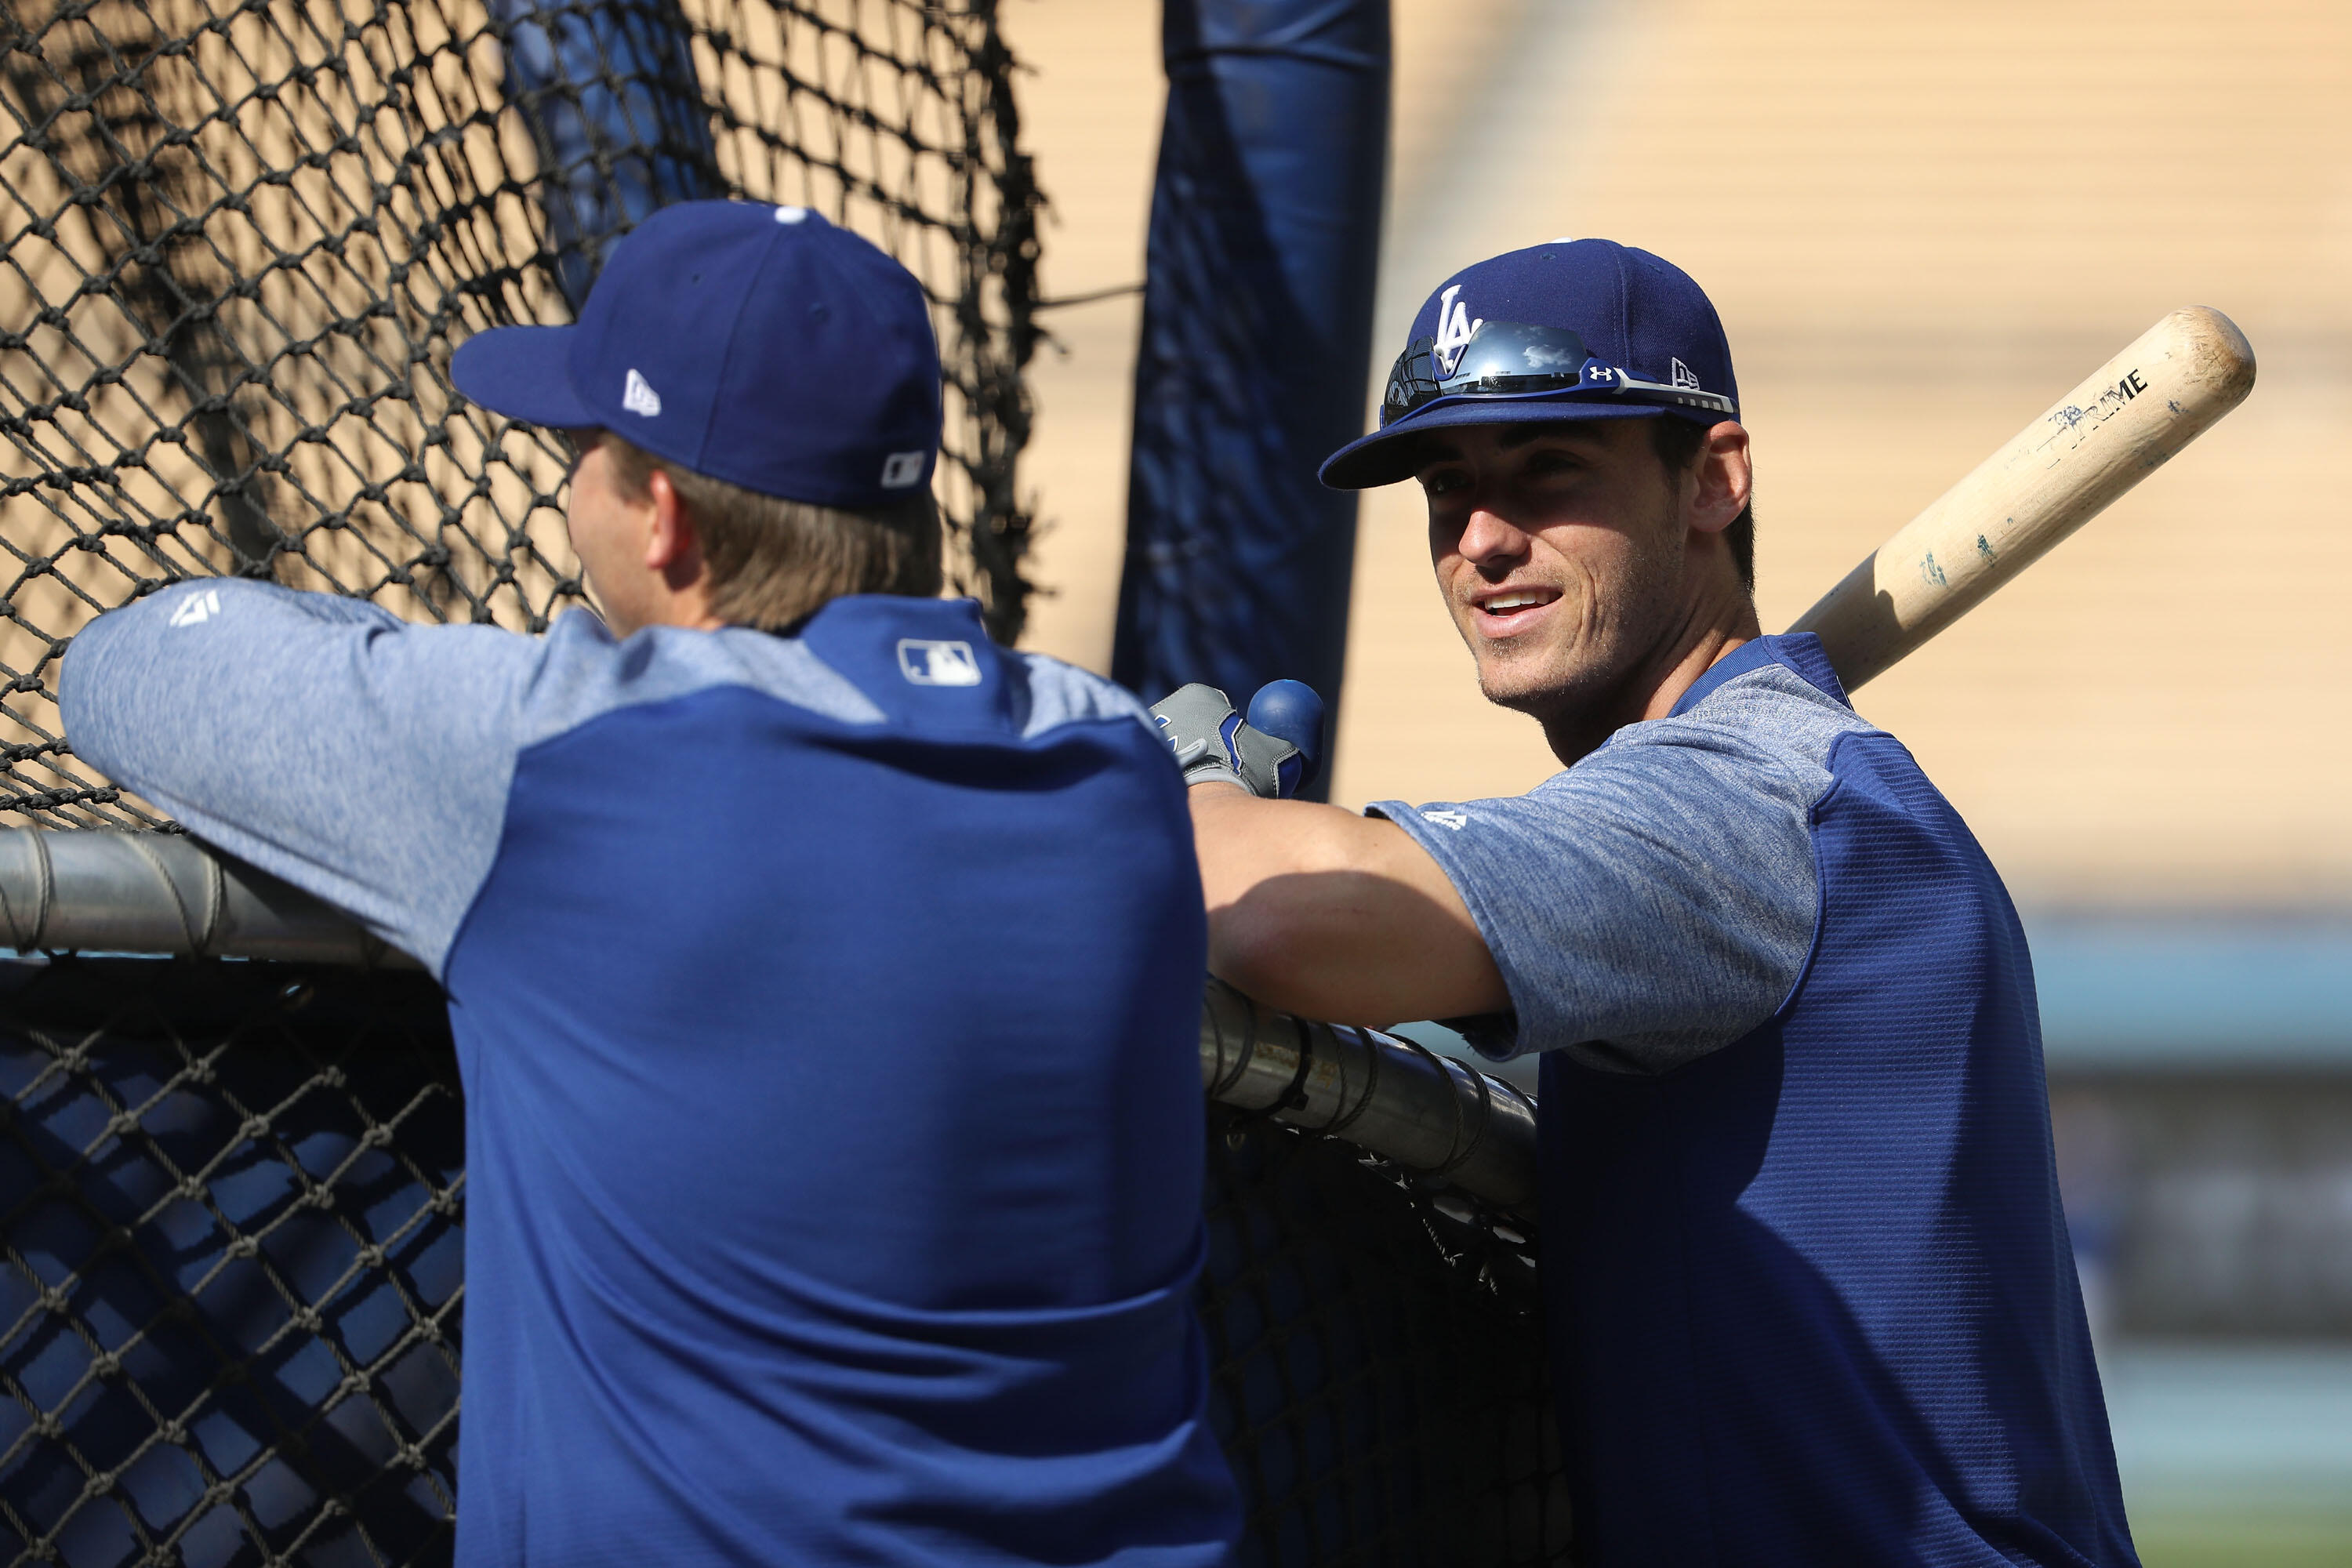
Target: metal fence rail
[(107, 892)]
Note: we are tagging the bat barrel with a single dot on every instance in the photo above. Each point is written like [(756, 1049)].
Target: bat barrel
[(2126, 421)]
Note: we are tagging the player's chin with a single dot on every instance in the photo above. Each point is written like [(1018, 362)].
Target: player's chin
[(1522, 680)]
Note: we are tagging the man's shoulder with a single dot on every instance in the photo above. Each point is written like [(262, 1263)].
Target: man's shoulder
[(582, 673), (1775, 730), (1776, 710), (919, 665), (1061, 694), (1751, 756)]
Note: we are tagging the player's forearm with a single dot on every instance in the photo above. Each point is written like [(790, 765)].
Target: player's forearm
[(366, 761), (1330, 915)]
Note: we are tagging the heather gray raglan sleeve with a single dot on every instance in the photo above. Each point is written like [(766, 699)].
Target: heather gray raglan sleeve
[(1651, 904), (359, 757)]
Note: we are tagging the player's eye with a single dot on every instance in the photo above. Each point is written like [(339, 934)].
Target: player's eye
[(1444, 481)]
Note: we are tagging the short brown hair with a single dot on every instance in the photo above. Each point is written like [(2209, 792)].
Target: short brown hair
[(775, 562), (1677, 443)]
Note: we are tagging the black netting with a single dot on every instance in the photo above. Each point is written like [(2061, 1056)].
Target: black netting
[(230, 1270), (239, 239), (1380, 1387), (229, 1285)]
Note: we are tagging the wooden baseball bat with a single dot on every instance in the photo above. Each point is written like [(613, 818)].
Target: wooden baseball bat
[(2096, 442)]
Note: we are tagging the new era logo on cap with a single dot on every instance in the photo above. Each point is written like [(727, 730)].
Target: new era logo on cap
[(638, 397), (900, 469)]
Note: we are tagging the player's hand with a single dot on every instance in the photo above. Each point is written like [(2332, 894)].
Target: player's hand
[(1213, 744)]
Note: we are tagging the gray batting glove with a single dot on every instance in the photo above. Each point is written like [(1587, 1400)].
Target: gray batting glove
[(1212, 745)]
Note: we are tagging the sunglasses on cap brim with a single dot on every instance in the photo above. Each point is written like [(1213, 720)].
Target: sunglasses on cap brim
[(1511, 359)]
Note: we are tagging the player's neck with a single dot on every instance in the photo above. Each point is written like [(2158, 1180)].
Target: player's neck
[(1714, 621)]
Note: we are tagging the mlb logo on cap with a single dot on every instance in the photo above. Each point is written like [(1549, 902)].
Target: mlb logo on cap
[(756, 345), (1581, 328)]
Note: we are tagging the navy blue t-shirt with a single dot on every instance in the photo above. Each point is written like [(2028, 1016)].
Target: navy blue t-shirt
[(826, 1008), (1809, 1294)]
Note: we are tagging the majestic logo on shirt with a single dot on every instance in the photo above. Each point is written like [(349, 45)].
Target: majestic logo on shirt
[(1453, 819), (938, 663), (638, 397), (900, 469), (196, 609), (1454, 327)]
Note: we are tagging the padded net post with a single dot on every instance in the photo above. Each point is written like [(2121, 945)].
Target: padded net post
[(617, 115)]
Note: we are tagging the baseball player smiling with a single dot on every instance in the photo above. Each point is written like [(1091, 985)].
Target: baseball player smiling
[(1808, 1289)]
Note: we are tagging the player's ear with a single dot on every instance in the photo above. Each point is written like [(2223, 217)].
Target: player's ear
[(1727, 480), (669, 527)]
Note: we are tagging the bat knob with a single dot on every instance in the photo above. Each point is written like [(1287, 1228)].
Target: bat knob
[(1290, 710)]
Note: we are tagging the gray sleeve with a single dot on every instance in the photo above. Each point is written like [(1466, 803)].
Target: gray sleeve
[(361, 758), (1651, 904), (1061, 693)]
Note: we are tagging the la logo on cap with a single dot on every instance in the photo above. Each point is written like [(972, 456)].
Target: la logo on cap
[(1454, 327)]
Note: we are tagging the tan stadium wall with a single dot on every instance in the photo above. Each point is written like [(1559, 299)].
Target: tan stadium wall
[(1921, 224)]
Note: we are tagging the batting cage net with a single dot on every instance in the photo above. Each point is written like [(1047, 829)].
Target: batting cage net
[(239, 239), (231, 1217)]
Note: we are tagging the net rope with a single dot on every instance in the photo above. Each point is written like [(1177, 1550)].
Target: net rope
[(230, 1267), (239, 239), (231, 1222)]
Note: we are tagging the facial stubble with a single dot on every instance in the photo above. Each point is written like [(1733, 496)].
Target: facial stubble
[(1622, 624)]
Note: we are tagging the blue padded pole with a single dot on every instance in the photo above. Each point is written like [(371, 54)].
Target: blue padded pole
[(609, 91), (1266, 227)]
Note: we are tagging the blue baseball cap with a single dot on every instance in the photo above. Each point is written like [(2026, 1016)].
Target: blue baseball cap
[(1577, 329), (756, 345)]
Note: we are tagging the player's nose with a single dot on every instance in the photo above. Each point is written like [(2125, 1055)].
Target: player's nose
[(1488, 537)]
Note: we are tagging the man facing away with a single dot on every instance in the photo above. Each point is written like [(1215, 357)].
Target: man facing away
[(1808, 1290), (824, 979)]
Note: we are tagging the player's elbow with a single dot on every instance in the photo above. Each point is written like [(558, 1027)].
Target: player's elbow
[(100, 666), (1338, 918), (1262, 947)]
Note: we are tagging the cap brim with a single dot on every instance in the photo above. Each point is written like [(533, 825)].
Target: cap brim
[(523, 372), (1388, 456)]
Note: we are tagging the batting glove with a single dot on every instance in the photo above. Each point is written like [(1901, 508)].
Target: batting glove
[(1212, 745)]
